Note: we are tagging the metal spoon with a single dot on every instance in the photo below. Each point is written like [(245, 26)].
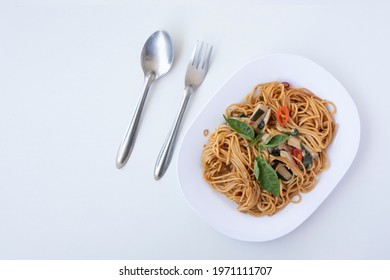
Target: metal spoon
[(156, 59)]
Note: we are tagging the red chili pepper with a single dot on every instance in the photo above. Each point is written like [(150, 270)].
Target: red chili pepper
[(297, 154), (282, 115)]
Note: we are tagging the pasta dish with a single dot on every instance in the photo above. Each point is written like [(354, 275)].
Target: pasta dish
[(271, 148)]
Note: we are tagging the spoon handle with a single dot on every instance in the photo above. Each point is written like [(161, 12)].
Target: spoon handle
[(128, 141), (165, 156)]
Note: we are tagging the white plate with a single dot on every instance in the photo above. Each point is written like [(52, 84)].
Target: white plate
[(219, 211)]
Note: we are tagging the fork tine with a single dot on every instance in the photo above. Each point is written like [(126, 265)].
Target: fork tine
[(198, 56), (204, 56), (206, 61), (198, 65), (194, 53)]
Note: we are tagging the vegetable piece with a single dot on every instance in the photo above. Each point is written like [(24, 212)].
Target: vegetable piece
[(282, 115), (240, 115), (257, 139), (286, 85), (256, 169), (307, 160), (313, 154), (307, 157), (274, 141), (267, 116), (241, 119), (266, 176), (261, 125), (294, 142), (275, 152), (297, 154), (264, 120), (288, 156), (294, 132), (283, 172), (243, 129), (257, 114)]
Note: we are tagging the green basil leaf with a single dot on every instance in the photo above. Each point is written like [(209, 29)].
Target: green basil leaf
[(256, 170), (257, 139), (275, 140), (266, 176), (245, 130)]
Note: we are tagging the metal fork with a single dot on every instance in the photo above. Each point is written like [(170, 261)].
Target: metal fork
[(196, 72)]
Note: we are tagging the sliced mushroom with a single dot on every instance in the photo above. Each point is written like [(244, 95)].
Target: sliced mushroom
[(264, 121), (267, 116), (294, 142), (313, 154), (284, 147), (288, 156), (283, 172), (265, 137), (259, 113)]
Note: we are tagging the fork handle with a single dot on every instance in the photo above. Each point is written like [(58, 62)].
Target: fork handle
[(165, 156)]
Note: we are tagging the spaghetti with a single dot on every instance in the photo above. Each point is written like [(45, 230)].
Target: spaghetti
[(298, 119)]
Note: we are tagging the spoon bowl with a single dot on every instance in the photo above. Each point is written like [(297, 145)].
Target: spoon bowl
[(157, 54), (156, 60)]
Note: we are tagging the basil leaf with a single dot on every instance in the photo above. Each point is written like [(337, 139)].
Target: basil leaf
[(274, 141), (257, 139), (256, 170), (245, 130), (259, 148), (266, 176)]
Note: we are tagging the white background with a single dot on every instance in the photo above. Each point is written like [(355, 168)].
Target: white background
[(70, 76)]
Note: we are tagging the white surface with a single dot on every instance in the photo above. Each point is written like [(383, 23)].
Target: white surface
[(219, 211), (69, 80)]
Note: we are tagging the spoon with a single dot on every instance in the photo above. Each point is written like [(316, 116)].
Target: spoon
[(156, 60)]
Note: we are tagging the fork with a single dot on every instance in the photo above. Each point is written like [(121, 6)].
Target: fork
[(195, 74)]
